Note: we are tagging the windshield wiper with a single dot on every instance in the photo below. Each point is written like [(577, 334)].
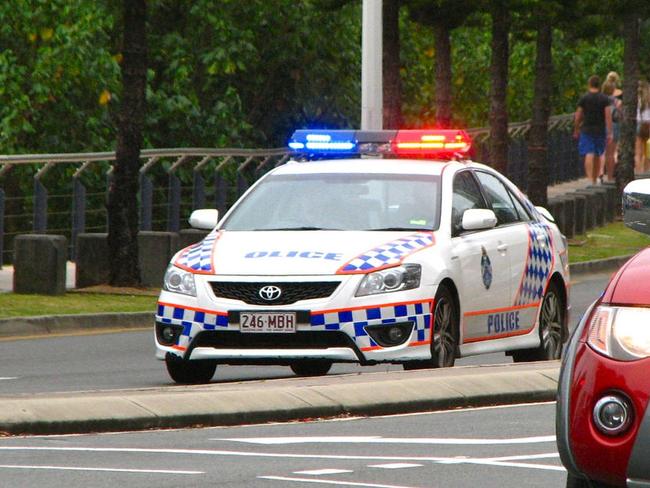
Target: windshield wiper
[(390, 229)]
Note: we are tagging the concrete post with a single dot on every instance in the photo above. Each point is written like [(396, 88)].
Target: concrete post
[(40, 264), (371, 66)]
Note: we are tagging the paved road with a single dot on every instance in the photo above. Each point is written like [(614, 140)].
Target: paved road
[(503, 447), (126, 360)]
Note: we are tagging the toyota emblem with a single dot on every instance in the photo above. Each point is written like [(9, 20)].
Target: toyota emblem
[(270, 293)]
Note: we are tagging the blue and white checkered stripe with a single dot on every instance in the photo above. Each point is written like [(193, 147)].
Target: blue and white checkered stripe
[(353, 322), (539, 264), (198, 257), (193, 321), (391, 253)]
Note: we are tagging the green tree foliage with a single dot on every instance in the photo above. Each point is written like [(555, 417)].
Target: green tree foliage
[(57, 73), (575, 60), (247, 73)]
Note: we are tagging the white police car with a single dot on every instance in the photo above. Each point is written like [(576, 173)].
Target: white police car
[(389, 257)]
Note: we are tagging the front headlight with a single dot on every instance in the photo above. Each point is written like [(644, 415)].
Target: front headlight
[(621, 333), (404, 277), (179, 281)]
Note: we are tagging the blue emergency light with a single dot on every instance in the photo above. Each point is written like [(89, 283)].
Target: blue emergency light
[(324, 141), (431, 143)]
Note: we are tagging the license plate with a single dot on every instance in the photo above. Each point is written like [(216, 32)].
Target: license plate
[(275, 322)]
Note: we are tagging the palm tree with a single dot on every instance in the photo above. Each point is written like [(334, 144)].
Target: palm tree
[(123, 190), (498, 143)]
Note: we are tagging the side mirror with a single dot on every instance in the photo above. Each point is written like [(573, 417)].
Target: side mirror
[(206, 218), (636, 205), (478, 219), (545, 213)]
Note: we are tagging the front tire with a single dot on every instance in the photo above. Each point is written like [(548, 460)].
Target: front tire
[(552, 329), (444, 330), (444, 341), (311, 368), (187, 372), (573, 481)]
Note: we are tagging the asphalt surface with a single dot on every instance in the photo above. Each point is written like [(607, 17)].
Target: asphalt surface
[(258, 401), (503, 447)]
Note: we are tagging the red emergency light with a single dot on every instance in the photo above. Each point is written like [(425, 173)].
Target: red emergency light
[(431, 142)]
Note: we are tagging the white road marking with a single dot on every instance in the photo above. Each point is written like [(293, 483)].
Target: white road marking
[(210, 452), (461, 410), (329, 482), (388, 440), (546, 467), (547, 455), (8, 378), (321, 472), (108, 470), (395, 465)]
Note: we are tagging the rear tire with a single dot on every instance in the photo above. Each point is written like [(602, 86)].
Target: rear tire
[(311, 368), (552, 329), (187, 372)]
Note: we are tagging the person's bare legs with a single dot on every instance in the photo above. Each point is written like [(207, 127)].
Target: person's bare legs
[(608, 168), (592, 164), (597, 168), (639, 155), (611, 164)]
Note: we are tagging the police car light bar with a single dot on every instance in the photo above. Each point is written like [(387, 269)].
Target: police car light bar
[(438, 143)]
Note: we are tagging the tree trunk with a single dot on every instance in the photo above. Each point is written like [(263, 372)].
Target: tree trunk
[(443, 75), (123, 190), (624, 172), (391, 66), (538, 136), (498, 145)]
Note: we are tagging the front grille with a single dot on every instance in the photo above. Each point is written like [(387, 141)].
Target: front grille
[(292, 292), (229, 339)]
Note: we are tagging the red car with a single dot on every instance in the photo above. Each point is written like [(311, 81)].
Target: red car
[(603, 423)]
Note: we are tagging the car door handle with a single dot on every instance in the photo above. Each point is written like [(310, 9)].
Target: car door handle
[(502, 247)]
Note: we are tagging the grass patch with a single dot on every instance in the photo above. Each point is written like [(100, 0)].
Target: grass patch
[(606, 242), (15, 305)]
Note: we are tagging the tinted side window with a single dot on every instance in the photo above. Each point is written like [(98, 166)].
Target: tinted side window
[(523, 213), (467, 195), (499, 198)]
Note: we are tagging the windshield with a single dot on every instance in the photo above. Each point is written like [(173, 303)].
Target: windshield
[(332, 201)]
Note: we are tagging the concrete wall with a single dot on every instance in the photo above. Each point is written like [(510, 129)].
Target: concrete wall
[(155, 251)]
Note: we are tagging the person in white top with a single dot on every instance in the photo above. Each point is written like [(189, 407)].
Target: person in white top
[(642, 129)]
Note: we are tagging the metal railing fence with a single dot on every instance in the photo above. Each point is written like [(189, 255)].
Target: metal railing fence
[(175, 181)]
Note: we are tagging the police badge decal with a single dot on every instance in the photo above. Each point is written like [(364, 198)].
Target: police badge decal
[(486, 269)]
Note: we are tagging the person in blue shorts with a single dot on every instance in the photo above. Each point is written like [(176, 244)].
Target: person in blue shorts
[(593, 126)]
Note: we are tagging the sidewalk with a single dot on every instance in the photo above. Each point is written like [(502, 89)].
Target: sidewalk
[(7, 277)]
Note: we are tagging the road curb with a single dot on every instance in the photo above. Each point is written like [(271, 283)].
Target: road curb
[(279, 401), (598, 265), (49, 324)]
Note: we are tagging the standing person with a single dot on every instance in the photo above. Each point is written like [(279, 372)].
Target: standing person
[(642, 128), (593, 126), (611, 89)]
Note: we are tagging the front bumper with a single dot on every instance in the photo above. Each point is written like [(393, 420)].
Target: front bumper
[(616, 460), (335, 329)]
